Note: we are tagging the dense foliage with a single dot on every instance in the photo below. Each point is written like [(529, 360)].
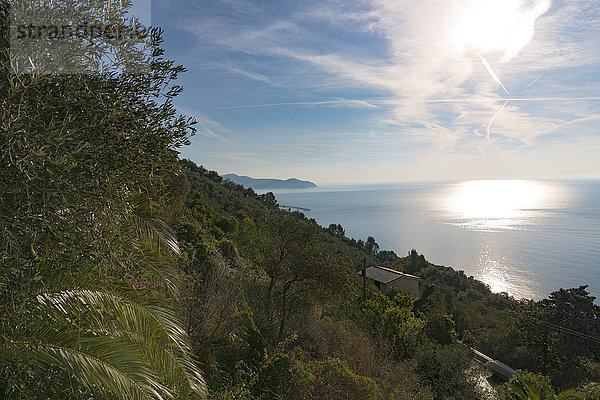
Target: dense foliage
[(86, 162), (280, 300), (408, 348), (125, 272)]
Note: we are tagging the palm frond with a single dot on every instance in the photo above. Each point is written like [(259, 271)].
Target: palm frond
[(121, 374), (105, 325), (149, 227), (570, 395)]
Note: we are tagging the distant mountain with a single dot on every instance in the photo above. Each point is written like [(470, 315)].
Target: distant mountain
[(263, 183)]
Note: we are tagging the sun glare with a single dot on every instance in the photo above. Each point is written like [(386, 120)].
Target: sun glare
[(497, 25), (496, 204)]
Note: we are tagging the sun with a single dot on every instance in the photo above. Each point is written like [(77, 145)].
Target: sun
[(504, 26)]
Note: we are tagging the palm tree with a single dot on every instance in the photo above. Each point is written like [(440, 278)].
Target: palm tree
[(519, 389), (105, 332)]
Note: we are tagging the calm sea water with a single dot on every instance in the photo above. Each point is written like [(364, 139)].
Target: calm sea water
[(527, 238)]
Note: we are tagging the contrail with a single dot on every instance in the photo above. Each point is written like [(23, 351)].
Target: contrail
[(489, 127), (532, 83), (494, 77), (554, 98), (392, 101), (573, 121), (491, 72), (341, 102), (487, 99), (292, 103)]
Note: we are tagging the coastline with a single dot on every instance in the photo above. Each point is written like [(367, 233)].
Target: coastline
[(528, 259)]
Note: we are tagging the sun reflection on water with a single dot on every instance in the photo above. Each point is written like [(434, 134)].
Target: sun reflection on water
[(495, 204), (492, 209), (503, 273), (493, 271)]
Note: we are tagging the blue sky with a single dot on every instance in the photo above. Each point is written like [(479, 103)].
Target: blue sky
[(389, 90)]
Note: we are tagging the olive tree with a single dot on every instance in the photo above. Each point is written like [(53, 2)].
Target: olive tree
[(300, 269), (85, 162)]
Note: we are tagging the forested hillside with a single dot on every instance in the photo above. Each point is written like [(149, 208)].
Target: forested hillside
[(274, 309), (128, 273)]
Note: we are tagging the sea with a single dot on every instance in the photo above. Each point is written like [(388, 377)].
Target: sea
[(524, 237)]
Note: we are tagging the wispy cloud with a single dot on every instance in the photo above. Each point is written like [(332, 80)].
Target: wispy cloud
[(421, 69), (207, 126), (249, 74), (345, 103), (246, 157)]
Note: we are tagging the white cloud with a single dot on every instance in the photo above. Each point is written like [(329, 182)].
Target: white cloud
[(433, 88)]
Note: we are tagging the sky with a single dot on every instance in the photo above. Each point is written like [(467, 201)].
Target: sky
[(389, 90)]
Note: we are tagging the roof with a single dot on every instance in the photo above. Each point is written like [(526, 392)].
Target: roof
[(386, 275)]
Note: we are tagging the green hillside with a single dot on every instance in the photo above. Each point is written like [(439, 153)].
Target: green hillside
[(128, 273), (276, 311)]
